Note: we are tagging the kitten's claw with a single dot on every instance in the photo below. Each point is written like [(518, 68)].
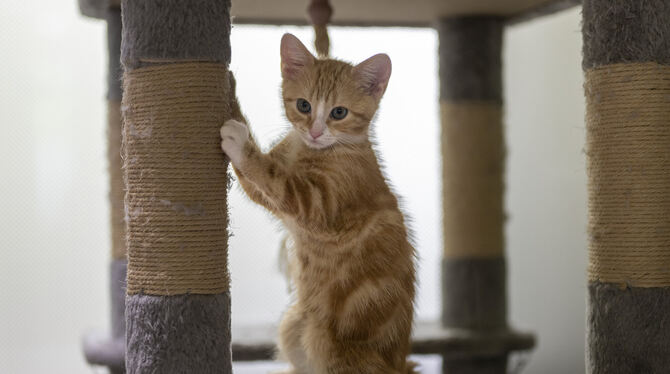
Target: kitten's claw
[(234, 135)]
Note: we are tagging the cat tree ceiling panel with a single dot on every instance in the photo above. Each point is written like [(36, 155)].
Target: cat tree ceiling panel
[(391, 12)]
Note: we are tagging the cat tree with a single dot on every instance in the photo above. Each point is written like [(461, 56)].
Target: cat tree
[(177, 93)]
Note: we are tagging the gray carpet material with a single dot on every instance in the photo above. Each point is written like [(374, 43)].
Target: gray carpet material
[(470, 58), (628, 330), (474, 293), (178, 334), (159, 30), (616, 31)]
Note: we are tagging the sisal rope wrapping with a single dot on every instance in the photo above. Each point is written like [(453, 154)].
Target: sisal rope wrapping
[(116, 193), (473, 153), (176, 178), (628, 151)]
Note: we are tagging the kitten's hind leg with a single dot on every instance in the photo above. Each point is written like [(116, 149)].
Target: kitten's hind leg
[(291, 330)]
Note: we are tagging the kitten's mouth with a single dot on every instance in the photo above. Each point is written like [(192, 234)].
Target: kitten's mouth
[(314, 143)]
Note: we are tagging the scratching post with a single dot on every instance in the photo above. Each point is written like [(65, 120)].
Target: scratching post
[(176, 97), (627, 88), (474, 295), (108, 349)]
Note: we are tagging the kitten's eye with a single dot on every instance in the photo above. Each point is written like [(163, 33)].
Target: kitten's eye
[(339, 112), (303, 106)]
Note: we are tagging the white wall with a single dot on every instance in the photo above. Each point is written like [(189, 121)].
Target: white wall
[(53, 185), (546, 188), (53, 214)]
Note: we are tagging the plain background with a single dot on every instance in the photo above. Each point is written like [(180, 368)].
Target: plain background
[(53, 183)]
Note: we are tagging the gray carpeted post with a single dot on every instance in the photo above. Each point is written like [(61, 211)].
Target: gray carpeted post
[(474, 296), (176, 96), (627, 89), (108, 349)]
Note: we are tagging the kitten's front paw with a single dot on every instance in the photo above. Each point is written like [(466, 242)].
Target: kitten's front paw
[(234, 135)]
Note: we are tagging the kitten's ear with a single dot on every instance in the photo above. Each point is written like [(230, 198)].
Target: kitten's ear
[(294, 56), (373, 74)]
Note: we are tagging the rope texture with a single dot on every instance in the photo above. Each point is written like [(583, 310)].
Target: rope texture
[(116, 193), (176, 178), (628, 151), (473, 154)]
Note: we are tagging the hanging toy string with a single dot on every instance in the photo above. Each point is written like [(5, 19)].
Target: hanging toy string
[(319, 12)]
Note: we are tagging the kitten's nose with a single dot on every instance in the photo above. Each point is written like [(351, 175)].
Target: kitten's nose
[(315, 133)]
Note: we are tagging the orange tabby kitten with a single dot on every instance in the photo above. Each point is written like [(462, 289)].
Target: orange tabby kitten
[(354, 266)]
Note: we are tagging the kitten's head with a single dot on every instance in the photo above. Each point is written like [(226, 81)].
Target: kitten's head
[(328, 101)]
